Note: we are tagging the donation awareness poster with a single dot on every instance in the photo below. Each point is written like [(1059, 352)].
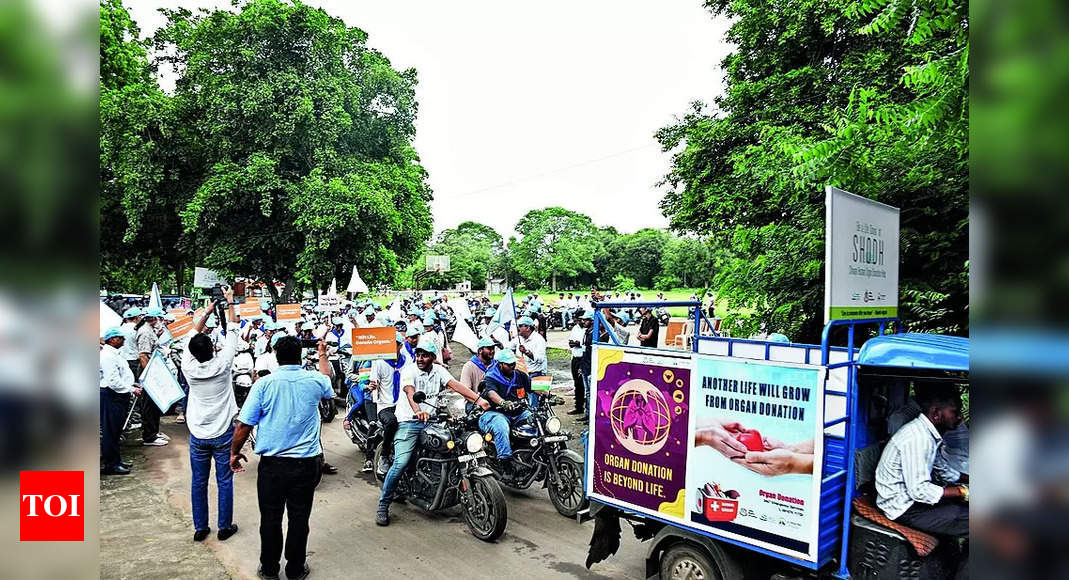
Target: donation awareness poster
[(754, 466), (640, 412)]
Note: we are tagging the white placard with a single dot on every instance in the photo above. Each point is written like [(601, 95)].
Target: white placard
[(205, 278), (860, 257), (160, 384)]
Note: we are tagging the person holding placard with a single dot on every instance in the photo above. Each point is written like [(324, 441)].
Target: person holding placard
[(209, 411), (147, 343)]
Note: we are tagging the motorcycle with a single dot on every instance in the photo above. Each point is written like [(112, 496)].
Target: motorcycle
[(540, 454), (448, 468), (363, 433)]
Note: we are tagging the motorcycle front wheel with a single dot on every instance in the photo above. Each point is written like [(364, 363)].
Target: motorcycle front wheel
[(566, 490), (487, 513)]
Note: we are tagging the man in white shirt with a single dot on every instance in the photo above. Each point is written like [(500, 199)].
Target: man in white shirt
[(912, 477), (116, 384), (130, 318), (532, 346), (209, 417), (385, 390), (429, 378)]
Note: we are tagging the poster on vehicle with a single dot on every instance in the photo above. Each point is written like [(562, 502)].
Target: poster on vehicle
[(160, 385), (754, 464), (860, 257), (640, 409), (374, 343)]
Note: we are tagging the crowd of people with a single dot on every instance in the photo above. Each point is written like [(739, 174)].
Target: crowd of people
[(291, 366)]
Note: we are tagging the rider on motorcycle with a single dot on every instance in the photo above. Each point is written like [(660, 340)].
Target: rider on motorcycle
[(429, 378), (504, 383)]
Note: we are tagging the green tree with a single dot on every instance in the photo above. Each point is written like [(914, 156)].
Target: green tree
[(554, 242), (751, 174), (638, 255), (474, 252), (688, 260), (296, 143), (140, 228)]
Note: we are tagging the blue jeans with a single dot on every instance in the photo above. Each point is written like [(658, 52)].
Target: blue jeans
[(498, 425), (201, 452), (404, 443), (566, 316), (182, 382)]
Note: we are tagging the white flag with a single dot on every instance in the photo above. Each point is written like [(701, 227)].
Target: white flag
[(465, 335), (108, 318), (356, 285), (154, 297), (460, 308), (395, 312), (506, 311)]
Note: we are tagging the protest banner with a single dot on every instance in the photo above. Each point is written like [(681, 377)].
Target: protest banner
[(205, 278), (182, 326), (288, 312), (160, 385), (249, 309), (374, 343)]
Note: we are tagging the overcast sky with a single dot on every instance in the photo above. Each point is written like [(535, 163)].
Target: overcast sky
[(524, 106)]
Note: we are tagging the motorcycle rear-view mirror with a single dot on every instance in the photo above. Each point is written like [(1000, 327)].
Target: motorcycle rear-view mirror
[(419, 397)]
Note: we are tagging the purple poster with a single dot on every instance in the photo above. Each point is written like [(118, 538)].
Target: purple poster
[(641, 414)]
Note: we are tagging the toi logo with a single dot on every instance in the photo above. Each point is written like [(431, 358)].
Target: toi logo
[(51, 506)]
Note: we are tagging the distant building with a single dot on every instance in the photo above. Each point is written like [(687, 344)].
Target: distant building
[(497, 286)]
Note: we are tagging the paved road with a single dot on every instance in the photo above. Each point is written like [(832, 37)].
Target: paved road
[(146, 529)]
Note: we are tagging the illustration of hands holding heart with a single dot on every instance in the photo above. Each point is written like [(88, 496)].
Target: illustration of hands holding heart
[(746, 447)]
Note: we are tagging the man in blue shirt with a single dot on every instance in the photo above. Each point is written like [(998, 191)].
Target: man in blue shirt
[(504, 383), (285, 406)]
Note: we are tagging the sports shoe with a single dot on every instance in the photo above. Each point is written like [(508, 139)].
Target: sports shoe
[(157, 442), (382, 516), (367, 466), (180, 419), (577, 411), (383, 466), (164, 435), (117, 470), (304, 573), (200, 535), (225, 533)]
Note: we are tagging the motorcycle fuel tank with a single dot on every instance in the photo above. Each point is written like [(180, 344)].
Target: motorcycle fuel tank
[(434, 437)]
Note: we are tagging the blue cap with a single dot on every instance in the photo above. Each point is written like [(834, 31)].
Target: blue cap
[(490, 312), (276, 338), (154, 312), (132, 312), (426, 343), (505, 356), (428, 320), (337, 320), (588, 315), (525, 321), (624, 318), (536, 307), (414, 330), (485, 343), (114, 332), (777, 337)]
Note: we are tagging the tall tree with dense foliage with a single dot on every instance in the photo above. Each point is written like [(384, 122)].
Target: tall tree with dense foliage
[(554, 242), (638, 255), (297, 145), (140, 239), (689, 261), (474, 252), (750, 173)]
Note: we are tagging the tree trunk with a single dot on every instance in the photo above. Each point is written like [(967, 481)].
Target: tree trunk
[(554, 281), (287, 294), (179, 276)]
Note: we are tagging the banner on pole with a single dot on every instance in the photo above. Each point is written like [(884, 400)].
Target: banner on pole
[(287, 312), (375, 343), (861, 257)]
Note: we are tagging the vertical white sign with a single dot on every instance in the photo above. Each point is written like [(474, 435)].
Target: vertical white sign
[(860, 257)]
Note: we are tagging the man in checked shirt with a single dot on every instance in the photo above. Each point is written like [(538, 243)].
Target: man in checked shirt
[(915, 486)]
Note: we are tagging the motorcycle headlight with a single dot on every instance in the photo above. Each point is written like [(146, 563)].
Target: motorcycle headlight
[(473, 442), (553, 425)]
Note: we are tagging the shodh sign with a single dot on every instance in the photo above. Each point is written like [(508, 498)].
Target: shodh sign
[(861, 258)]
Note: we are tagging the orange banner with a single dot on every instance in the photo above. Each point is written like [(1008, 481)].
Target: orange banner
[(182, 326), (288, 312), (374, 343), (249, 309), (177, 312)]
